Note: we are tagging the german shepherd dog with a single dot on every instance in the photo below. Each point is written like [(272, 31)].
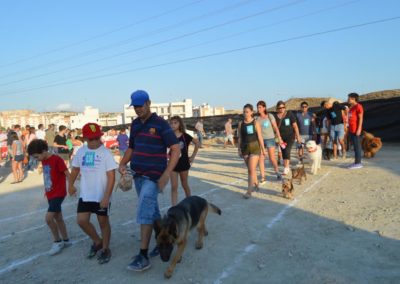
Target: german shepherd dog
[(174, 228)]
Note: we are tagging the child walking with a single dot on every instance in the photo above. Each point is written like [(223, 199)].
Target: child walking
[(55, 174), (97, 167), (184, 162)]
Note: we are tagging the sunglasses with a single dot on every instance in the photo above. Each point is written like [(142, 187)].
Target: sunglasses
[(282, 107)]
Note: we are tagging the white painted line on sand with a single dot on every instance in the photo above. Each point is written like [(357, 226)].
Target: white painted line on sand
[(250, 248)]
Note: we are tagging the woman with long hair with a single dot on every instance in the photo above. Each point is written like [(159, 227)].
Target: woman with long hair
[(289, 130), (268, 127), (184, 162), (250, 146), (17, 150)]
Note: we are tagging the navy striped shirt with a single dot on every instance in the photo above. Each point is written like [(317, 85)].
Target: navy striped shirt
[(149, 141)]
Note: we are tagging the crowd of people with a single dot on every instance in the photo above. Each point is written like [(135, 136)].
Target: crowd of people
[(155, 152)]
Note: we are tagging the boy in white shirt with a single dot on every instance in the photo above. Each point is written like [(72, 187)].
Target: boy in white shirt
[(97, 167)]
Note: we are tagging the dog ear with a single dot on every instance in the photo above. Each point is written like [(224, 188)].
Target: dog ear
[(157, 226), (173, 228)]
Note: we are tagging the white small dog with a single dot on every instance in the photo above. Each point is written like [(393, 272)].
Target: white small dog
[(315, 155)]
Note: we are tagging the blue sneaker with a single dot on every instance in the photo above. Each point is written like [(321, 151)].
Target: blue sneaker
[(139, 263), (155, 252)]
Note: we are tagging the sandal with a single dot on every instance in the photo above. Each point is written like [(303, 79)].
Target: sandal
[(262, 181)]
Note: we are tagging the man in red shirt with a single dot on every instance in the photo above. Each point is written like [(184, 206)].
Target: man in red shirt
[(355, 117), (55, 174)]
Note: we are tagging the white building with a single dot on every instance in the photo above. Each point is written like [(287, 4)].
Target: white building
[(110, 119), (89, 114), (207, 110), (165, 110)]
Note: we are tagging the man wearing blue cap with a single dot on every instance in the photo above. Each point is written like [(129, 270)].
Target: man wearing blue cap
[(149, 139)]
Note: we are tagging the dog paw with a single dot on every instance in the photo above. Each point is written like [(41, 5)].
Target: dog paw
[(168, 274), (205, 233), (199, 245)]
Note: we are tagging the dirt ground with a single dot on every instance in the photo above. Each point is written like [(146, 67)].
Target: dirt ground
[(342, 227)]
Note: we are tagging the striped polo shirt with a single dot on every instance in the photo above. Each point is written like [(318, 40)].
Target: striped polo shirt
[(149, 141)]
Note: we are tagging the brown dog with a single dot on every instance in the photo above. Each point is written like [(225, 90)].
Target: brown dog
[(370, 144), (175, 226), (298, 173), (287, 189)]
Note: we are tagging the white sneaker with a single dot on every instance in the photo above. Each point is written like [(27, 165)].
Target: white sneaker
[(56, 248), (285, 171)]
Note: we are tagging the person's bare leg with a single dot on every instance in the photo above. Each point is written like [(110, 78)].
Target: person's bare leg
[(58, 217), (185, 182), (105, 230), (83, 220), (174, 188), (50, 220)]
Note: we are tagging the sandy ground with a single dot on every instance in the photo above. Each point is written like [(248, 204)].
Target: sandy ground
[(342, 227)]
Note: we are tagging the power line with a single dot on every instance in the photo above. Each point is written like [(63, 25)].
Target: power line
[(214, 54), (215, 40), (126, 41), (102, 34), (161, 42)]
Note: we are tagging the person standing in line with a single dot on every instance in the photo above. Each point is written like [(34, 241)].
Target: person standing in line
[(268, 127), (149, 139), (200, 131), (17, 154), (97, 167), (40, 133), (336, 126), (184, 163), (250, 146), (49, 137), (55, 175), (228, 133), (356, 118), (123, 143), (289, 131), (306, 124), (60, 143)]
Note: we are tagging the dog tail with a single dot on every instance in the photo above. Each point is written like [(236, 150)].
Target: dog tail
[(214, 208)]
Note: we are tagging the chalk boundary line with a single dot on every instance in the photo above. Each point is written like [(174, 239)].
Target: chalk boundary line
[(250, 248)]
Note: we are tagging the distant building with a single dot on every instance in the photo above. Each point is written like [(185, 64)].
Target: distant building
[(207, 110), (89, 114), (29, 117), (165, 110), (110, 119)]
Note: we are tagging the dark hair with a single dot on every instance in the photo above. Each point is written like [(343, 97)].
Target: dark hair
[(304, 103), (354, 96), (263, 104), (14, 136), (17, 126), (280, 103), (182, 127), (40, 125), (37, 146), (323, 103), (32, 130), (61, 128), (80, 138)]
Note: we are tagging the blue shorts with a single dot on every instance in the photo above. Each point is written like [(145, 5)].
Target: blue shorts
[(337, 132), (147, 210), (269, 143)]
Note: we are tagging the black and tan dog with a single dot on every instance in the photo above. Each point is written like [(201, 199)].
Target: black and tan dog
[(299, 172), (287, 188), (175, 226)]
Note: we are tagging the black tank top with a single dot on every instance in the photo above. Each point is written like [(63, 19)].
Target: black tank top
[(248, 132)]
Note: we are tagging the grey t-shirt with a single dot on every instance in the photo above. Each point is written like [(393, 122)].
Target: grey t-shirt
[(304, 123), (266, 126)]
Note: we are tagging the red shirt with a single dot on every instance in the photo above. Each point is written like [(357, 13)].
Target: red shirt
[(353, 117), (54, 177)]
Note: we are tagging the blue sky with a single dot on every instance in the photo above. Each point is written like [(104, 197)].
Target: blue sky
[(68, 54)]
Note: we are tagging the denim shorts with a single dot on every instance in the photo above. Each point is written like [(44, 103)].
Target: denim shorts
[(269, 143), (147, 210), (337, 132)]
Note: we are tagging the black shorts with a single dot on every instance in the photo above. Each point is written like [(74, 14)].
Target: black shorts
[(182, 165), (55, 204), (92, 207)]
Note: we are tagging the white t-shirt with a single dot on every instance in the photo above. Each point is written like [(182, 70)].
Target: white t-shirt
[(94, 165), (40, 134)]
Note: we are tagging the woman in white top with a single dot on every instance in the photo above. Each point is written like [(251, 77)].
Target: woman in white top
[(269, 130), (17, 150)]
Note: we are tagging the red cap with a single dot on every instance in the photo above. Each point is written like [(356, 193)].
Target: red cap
[(91, 130)]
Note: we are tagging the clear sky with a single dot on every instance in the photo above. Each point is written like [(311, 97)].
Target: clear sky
[(63, 55)]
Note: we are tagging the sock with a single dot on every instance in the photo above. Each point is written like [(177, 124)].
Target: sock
[(66, 240), (144, 252), (59, 241)]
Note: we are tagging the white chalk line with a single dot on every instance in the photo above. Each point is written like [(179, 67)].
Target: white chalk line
[(19, 262), (250, 248)]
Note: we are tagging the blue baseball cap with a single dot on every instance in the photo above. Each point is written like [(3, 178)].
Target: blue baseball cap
[(139, 97)]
